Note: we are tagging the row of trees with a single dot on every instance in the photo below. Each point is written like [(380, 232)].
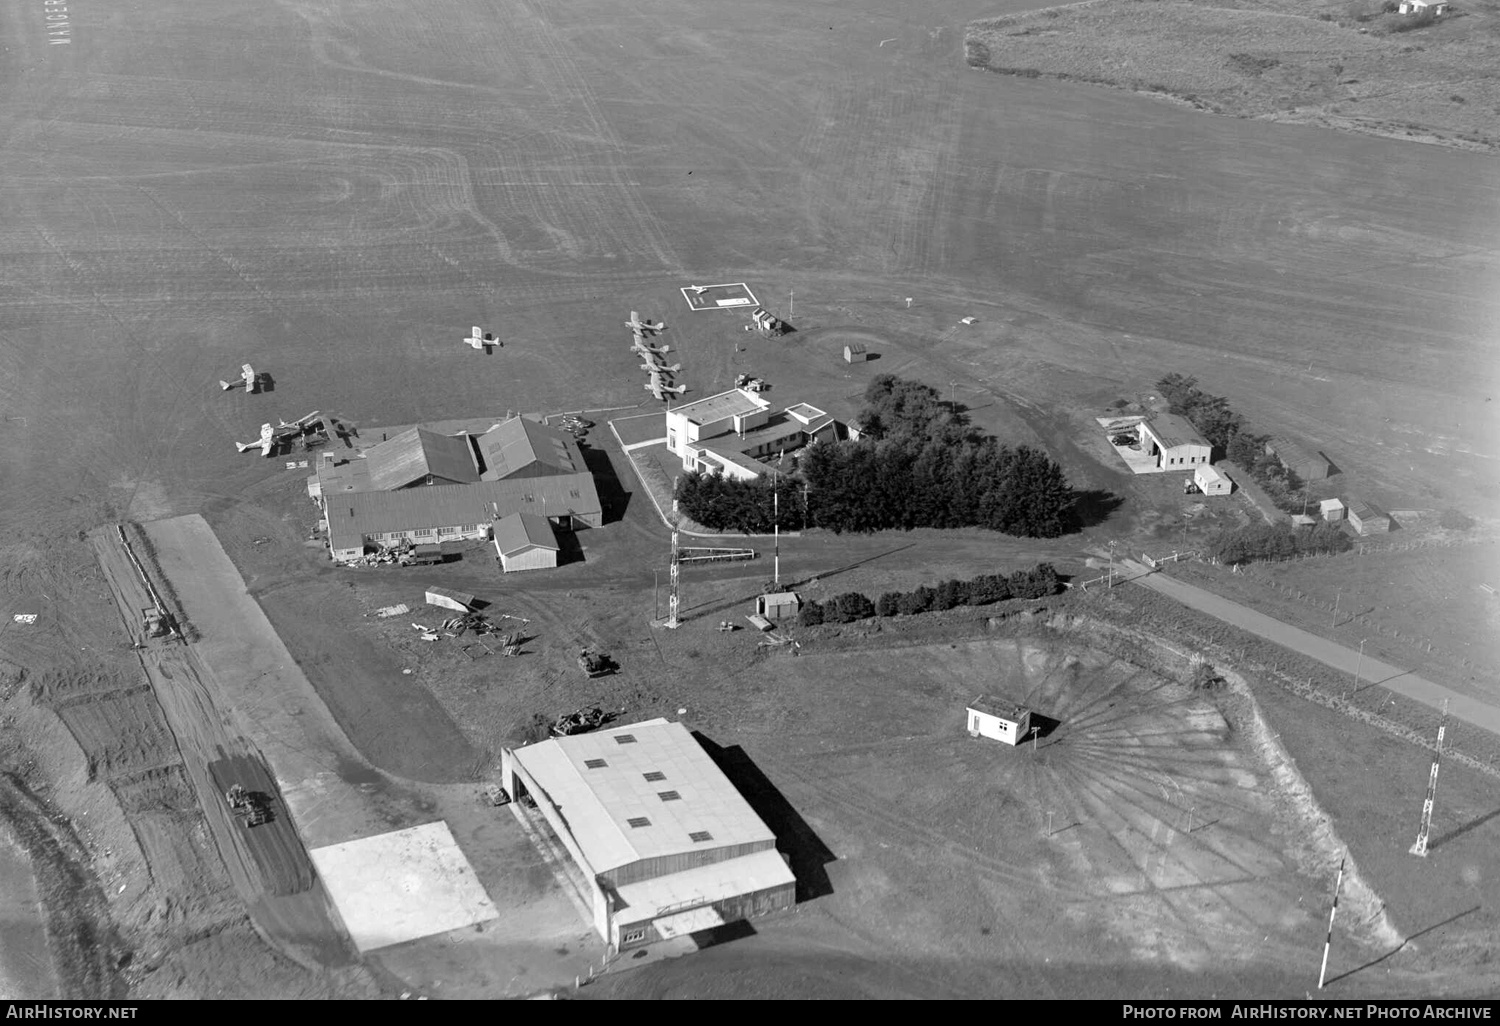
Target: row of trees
[(1225, 430), (918, 463), (1265, 542), (1038, 582)]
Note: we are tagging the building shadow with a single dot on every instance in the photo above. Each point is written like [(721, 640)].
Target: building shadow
[(805, 851), (1043, 726), (569, 548), (725, 934), (613, 497)]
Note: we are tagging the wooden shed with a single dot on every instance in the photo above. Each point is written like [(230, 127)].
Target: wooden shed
[(778, 606), (1332, 509), (999, 720), (447, 598), (1366, 519), (525, 541), (855, 352), (1211, 481), (1307, 465)]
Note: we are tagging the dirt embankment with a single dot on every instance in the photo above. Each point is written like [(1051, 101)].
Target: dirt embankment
[(1357, 67)]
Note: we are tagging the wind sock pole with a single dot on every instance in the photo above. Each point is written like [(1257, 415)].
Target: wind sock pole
[(1328, 942), (672, 620)]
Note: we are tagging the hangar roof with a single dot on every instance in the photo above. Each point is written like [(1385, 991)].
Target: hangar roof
[(641, 791)]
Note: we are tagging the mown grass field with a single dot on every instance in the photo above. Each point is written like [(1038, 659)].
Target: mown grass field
[(1346, 65)]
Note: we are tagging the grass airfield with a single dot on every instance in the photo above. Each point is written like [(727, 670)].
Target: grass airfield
[(335, 193)]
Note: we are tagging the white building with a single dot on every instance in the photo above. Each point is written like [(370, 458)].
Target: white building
[(1211, 481), (998, 719), (1332, 509), (1437, 7), (730, 433), (525, 541), (1174, 442), (661, 843)]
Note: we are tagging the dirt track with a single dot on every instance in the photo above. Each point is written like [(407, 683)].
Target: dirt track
[(1369, 671), (268, 860)]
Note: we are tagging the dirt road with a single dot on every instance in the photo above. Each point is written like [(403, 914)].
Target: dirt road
[(1364, 669)]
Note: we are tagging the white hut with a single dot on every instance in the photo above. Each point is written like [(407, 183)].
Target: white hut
[(998, 719)]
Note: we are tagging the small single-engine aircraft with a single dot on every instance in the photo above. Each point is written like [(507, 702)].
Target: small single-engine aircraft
[(297, 427), (640, 345), (698, 290), (249, 380), (266, 442), (639, 326), (656, 369), (662, 391), (480, 339)]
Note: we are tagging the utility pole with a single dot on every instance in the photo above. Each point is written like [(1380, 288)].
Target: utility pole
[(791, 299), (1111, 583), (1336, 596), (656, 592), (1328, 942), (1420, 848), (776, 528), (1359, 662)]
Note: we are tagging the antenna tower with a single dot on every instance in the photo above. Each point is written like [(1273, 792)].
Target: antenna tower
[(776, 527), (672, 620), (1420, 848)]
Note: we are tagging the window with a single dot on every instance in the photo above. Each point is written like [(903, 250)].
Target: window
[(632, 936), (638, 821), (595, 763), (655, 775), (624, 739), (424, 532), (699, 836), (669, 796)]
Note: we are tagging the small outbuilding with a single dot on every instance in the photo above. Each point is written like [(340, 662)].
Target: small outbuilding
[(1366, 519), (1332, 509), (1306, 464), (1437, 7), (778, 605), (998, 719), (854, 352), (1211, 481), (447, 598), (525, 541)]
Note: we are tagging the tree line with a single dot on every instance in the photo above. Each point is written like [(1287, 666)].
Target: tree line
[(1279, 541), (1227, 432), (917, 463), (1038, 582)]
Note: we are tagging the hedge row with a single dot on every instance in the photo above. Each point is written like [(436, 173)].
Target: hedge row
[(1038, 582)]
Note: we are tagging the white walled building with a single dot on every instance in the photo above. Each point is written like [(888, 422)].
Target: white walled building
[(998, 719)]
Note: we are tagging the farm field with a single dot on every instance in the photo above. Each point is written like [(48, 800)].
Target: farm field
[(1357, 67), (337, 193)]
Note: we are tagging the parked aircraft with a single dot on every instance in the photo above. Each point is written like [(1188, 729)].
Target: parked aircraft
[(698, 290), (249, 380), (639, 326), (480, 339), (640, 345), (661, 391), (266, 442), (655, 368)]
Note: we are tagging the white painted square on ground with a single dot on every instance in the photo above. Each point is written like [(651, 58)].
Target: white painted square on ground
[(403, 885), (719, 297)]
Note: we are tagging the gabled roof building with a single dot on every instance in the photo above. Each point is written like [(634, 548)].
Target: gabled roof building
[(662, 841)]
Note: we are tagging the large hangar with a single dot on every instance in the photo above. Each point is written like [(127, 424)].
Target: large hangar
[(666, 844)]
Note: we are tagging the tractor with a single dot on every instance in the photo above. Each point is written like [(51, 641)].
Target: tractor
[(595, 664), (247, 805)]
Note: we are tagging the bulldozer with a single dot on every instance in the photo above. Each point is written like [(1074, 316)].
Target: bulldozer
[(247, 806), (595, 664), (155, 623)]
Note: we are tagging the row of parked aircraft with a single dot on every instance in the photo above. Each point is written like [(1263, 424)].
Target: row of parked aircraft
[(661, 373), (273, 436)]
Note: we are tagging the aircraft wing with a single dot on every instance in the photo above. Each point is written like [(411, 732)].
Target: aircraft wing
[(267, 446)]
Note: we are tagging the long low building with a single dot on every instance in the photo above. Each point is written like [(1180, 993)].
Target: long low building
[(357, 521), (663, 841)]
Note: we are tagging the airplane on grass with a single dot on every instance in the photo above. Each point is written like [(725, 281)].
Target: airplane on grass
[(661, 391), (481, 339), (641, 346), (266, 442), (639, 326), (272, 436), (249, 380), (658, 369)]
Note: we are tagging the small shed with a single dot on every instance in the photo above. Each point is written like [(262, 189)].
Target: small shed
[(1366, 519), (1211, 481), (1437, 7), (1332, 509), (998, 719), (1306, 464), (525, 541), (447, 598), (1302, 520), (855, 352), (778, 605)]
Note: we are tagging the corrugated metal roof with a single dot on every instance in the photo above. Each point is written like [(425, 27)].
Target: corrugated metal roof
[(1292, 454), (1172, 431), (518, 443), (417, 452), (598, 804), (523, 530), (1359, 509), (1003, 708), (358, 515)]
